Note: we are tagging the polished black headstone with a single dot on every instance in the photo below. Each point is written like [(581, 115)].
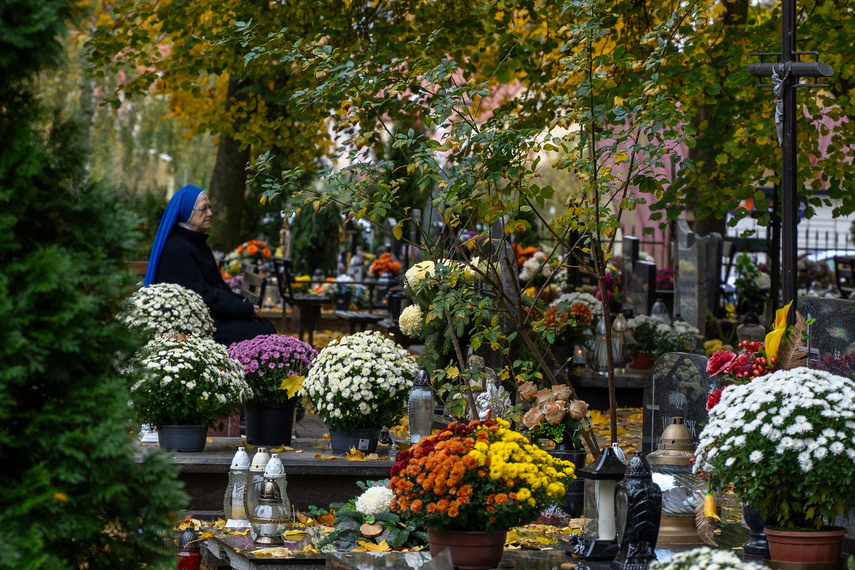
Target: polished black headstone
[(678, 386)]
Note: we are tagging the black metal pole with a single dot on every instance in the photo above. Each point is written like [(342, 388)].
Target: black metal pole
[(789, 174)]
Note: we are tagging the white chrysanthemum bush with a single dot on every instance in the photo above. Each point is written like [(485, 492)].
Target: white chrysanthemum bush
[(361, 381), (703, 558), (166, 308), (375, 500), (185, 380), (786, 441)]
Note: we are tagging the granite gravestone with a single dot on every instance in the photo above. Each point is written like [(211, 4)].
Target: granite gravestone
[(832, 335), (832, 348), (691, 276), (715, 250), (629, 255), (641, 287), (678, 386)]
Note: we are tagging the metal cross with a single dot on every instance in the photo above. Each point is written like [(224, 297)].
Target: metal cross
[(786, 73)]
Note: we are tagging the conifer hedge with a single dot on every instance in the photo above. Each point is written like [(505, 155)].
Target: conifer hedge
[(72, 494)]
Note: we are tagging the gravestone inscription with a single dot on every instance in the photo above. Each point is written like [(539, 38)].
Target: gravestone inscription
[(678, 386)]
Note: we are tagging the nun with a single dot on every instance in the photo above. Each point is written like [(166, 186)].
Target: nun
[(181, 255)]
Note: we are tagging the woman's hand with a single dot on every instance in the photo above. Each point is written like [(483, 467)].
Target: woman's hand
[(256, 311)]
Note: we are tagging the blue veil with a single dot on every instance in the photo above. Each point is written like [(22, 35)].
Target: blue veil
[(179, 209)]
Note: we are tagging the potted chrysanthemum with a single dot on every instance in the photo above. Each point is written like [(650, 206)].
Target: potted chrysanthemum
[(357, 385), (275, 367), (470, 483), (182, 385), (786, 443), (166, 308)]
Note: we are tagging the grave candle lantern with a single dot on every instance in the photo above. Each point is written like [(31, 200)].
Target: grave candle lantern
[(672, 471), (268, 519), (599, 540)]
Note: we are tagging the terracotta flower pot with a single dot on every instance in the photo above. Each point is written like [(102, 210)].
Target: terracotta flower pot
[(818, 547), (642, 361), (469, 549)]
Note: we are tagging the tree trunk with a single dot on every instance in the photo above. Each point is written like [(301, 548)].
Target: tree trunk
[(228, 183)]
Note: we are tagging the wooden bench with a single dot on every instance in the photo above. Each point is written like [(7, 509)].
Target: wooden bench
[(359, 318)]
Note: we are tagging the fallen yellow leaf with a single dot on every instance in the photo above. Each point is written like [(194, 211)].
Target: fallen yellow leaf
[(372, 457), (365, 546), (355, 455), (275, 552), (326, 457), (279, 449), (240, 532), (220, 523)]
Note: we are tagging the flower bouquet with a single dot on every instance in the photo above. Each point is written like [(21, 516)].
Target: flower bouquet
[(166, 308), (384, 264), (569, 320), (703, 559), (537, 269), (185, 380), (480, 476), (751, 283), (249, 252), (362, 381), (785, 441), (554, 416), (274, 366), (369, 519), (656, 337)]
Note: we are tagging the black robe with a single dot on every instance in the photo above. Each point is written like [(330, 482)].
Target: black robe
[(188, 261)]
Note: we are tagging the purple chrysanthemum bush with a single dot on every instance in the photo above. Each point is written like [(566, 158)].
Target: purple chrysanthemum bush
[(274, 365)]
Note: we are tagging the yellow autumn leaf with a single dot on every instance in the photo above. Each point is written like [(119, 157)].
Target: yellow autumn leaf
[(620, 101), (296, 535), (365, 546), (355, 455), (206, 534), (310, 548), (372, 457), (292, 384), (220, 523), (620, 156), (275, 552), (61, 497), (240, 532), (452, 371), (326, 457), (511, 536), (398, 231)]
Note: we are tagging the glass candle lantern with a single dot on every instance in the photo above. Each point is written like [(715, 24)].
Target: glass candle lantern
[(671, 465), (255, 479), (233, 505), (268, 519), (420, 408), (599, 539)]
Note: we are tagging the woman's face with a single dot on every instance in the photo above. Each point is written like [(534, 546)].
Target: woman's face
[(200, 221)]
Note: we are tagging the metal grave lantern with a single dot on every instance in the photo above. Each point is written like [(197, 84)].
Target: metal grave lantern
[(269, 519), (671, 464), (598, 540)]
